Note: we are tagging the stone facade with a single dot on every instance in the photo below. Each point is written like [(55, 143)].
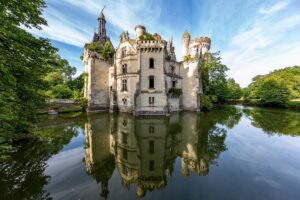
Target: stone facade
[(143, 76)]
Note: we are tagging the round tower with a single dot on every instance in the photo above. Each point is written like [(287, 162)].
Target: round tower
[(186, 42), (139, 30), (205, 42)]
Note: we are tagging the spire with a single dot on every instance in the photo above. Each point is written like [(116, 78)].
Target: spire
[(101, 23)]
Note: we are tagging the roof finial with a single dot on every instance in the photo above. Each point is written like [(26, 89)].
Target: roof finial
[(102, 9)]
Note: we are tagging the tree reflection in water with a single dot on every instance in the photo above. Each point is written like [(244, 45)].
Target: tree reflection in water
[(144, 149), (22, 175), (275, 121)]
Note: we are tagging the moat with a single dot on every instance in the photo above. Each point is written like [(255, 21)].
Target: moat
[(233, 152)]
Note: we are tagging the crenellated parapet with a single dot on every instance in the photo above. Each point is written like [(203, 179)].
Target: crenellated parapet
[(150, 45)]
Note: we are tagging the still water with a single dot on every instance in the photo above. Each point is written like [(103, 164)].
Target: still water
[(231, 153)]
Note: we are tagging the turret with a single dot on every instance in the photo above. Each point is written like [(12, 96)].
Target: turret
[(186, 42), (101, 23), (139, 30), (205, 43)]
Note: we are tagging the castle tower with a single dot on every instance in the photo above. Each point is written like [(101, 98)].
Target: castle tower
[(139, 31), (97, 68), (205, 43), (151, 98), (186, 42)]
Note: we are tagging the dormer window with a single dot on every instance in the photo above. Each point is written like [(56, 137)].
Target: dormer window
[(151, 63)]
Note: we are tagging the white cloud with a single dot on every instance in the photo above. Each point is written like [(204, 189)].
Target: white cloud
[(276, 7), (263, 47), (121, 14)]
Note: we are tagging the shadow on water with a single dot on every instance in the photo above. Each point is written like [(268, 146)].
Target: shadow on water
[(143, 150)]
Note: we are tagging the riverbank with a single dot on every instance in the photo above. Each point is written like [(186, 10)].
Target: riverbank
[(292, 104)]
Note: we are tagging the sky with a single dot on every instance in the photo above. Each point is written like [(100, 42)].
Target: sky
[(253, 36)]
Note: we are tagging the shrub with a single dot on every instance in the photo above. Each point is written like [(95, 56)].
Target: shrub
[(61, 91), (187, 58), (146, 36), (206, 103), (94, 46)]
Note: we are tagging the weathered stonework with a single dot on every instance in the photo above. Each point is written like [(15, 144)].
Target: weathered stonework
[(142, 72)]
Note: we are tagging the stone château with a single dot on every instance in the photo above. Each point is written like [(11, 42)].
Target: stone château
[(142, 75)]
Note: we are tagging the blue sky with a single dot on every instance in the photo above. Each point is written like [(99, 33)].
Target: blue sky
[(254, 36)]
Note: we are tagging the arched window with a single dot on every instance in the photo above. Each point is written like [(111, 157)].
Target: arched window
[(151, 82), (124, 69), (151, 63)]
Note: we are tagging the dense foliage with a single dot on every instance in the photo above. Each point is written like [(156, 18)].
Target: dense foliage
[(29, 69), (216, 86), (24, 62), (276, 88), (146, 36), (106, 50)]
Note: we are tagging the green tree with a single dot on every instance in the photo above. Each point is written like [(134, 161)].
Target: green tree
[(289, 76), (273, 92), (59, 78), (24, 62), (234, 90), (107, 51), (213, 77)]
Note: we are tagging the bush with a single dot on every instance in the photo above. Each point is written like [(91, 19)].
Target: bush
[(293, 105), (187, 58), (207, 103), (146, 36), (82, 102), (61, 91), (94, 46)]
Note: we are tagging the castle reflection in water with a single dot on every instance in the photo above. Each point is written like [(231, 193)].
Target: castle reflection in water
[(144, 149)]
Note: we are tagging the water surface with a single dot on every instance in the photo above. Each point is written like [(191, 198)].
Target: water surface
[(231, 153)]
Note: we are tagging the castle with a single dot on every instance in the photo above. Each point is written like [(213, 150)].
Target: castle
[(142, 75)]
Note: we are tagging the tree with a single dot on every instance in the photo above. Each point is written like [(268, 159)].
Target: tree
[(234, 90), (24, 62), (59, 78), (107, 52), (273, 92), (213, 76), (289, 77)]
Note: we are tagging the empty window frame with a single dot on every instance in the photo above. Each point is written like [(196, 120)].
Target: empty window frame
[(151, 63), (151, 101), (124, 69), (151, 165), (151, 82), (124, 85), (151, 146)]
